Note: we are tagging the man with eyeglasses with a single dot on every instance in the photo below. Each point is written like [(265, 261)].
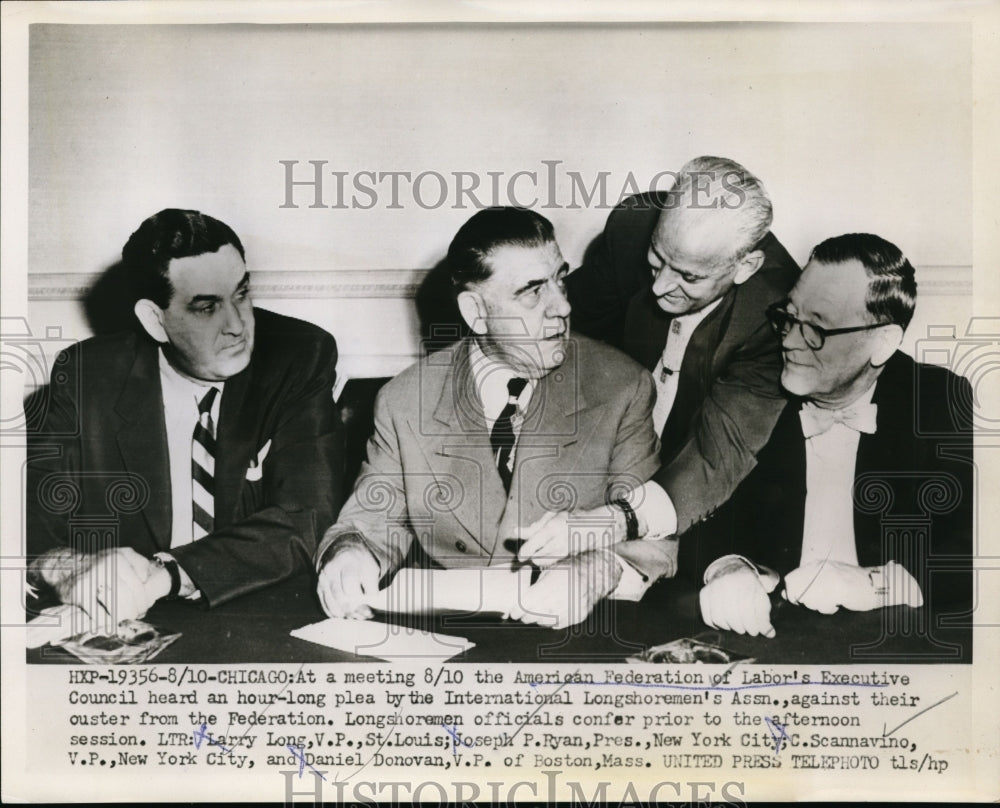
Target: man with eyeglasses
[(681, 281), (868, 434)]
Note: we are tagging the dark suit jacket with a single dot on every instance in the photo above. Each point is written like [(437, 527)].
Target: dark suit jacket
[(913, 486), (430, 478), (100, 453), (728, 394)]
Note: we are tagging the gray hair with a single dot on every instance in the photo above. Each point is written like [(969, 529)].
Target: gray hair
[(707, 184)]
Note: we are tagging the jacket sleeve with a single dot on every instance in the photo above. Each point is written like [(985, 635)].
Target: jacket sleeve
[(634, 459), (302, 491), (53, 452), (376, 510), (729, 429)]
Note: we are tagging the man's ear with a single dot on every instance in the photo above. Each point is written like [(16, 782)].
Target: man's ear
[(748, 265), (151, 317), (473, 310), (887, 341)]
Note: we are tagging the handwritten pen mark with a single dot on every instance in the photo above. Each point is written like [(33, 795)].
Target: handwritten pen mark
[(267, 707), (456, 739), (535, 711), (778, 734), (201, 734), (300, 754), (917, 715)]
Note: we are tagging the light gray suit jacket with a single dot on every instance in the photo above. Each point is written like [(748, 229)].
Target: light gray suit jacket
[(430, 477)]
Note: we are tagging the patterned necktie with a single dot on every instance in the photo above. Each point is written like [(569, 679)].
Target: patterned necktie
[(859, 417), (502, 436), (203, 469)]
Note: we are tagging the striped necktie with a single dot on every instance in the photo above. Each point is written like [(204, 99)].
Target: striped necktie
[(502, 437), (203, 468)]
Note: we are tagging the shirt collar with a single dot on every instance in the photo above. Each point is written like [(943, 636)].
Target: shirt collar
[(491, 377), (178, 387)]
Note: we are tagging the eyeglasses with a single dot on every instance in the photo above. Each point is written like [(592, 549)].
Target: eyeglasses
[(814, 336)]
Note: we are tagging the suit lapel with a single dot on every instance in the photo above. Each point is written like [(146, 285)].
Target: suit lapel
[(142, 438), (646, 329), (696, 376), (552, 422), (237, 429), (884, 451), (460, 449)]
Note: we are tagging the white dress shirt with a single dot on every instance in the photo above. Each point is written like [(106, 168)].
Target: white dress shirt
[(180, 410), (681, 329), (831, 456)]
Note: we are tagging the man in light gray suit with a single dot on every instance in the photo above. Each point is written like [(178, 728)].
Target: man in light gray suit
[(478, 440)]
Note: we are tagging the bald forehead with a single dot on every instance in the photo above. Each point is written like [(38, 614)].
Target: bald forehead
[(708, 237)]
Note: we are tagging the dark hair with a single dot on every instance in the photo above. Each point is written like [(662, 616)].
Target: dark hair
[(169, 234), (892, 288), (485, 232)]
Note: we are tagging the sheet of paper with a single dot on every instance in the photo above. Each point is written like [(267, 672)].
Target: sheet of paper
[(382, 640), (423, 591)]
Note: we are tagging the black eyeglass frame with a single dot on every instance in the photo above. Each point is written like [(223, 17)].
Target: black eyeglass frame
[(782, 322)]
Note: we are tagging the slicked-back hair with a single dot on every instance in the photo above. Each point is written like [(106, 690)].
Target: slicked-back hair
[(171, 233), (485, 232), (708, 185), (892, 287)]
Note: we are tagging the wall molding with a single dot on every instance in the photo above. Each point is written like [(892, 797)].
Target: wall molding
[(934, 280), (270, 285)]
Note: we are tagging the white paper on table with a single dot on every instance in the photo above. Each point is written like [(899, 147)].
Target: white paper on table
[(381, 640), (424, 591)]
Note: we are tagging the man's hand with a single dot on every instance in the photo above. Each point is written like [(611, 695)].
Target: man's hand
[(347, 579), (738, 601), (825, 586), (564, 534), (565, 594), (111, 586)]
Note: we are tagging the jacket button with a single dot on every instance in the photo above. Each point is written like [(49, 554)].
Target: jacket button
[(460, 546)]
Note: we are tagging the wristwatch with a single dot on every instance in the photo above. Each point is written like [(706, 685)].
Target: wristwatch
[(167, 563), (631, 521)]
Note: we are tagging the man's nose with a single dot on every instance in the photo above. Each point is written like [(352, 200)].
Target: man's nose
[(558, 304), (234, 323), (793, 339), (664, 282)]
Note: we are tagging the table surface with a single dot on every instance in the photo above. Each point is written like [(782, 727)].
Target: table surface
[(256, 628)]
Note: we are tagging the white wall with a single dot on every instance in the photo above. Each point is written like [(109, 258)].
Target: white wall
[(851, 127)]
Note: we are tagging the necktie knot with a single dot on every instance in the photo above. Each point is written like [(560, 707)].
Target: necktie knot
[(515, 387), (207, 400), (859, 417)]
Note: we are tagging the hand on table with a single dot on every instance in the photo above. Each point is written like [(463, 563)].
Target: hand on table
[(565, 594), (108, 587), (825, 586), (737, 600), (346, 580), (563, 534)]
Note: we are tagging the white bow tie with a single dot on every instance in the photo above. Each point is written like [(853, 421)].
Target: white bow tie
[(859, 417)]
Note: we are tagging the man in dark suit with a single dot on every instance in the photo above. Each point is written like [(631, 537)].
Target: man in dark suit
[(871, 441), (475, 441), (209, 443), (681, 281)]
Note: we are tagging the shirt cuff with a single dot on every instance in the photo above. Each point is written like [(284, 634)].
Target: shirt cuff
[(656, 510), (188, 588), (727, 563), (632, 585), (892, 585)]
